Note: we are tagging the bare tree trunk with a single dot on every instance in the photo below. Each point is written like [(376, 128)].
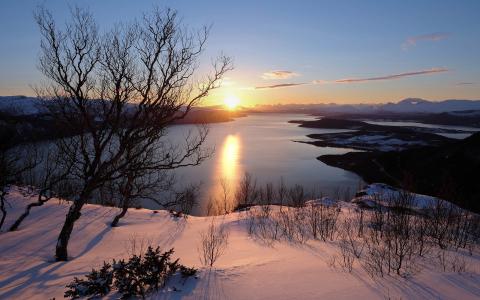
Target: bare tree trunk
[(40, 201), (2, 209), (119, 216), (126, 191), (61, 252)]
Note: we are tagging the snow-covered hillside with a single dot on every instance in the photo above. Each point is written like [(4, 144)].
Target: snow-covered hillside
[(249, 269)]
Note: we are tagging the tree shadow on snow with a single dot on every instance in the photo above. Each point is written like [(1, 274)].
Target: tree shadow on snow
[(206, 286), (38, 275)]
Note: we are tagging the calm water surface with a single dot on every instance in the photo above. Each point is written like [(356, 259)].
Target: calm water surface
[(263, 145)]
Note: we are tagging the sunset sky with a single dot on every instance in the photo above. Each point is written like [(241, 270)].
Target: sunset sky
[(294, 51)]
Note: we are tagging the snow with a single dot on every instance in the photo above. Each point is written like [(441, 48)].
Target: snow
[(380, 193), (326, 201), (248, 270), (379, 142)]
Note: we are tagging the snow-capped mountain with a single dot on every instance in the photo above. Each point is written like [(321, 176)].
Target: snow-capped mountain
[(409, 105), (421, 105)]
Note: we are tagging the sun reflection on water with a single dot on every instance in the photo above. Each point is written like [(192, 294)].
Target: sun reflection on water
[(222, 192), (229, 158)]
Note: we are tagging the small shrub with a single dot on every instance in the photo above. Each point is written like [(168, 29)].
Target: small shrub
[(128, 277), (187, 272), (97, 283), (138, 276)]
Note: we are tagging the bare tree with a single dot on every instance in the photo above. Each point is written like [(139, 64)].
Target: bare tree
[(8, 171), (212, 207), (225, 195), (347, 235), (214, 242), (50, 179), (281, 192), (392, 243), (132, 187), (186, 198), (118, 93), (266, 196), (297, 195), (346, 255), (13, 164), (313, 218), (247, 192)]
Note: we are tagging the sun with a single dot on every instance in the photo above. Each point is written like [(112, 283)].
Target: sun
[(231, 102)]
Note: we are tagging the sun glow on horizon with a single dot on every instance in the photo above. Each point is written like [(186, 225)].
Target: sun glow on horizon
[(231, 102)]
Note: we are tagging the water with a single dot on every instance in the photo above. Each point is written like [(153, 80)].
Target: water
[(461, 135), (263, 145)]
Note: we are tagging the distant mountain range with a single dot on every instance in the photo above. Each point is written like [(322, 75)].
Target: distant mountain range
[(30, 106), (409, 105), (24, 119), (421, 105), (22, 105)]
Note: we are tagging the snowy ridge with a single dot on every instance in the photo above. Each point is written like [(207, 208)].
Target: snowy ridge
[(383, 194), (248, 269), (382, 143)]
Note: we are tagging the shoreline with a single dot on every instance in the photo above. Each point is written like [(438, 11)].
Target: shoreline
[(431, 164)]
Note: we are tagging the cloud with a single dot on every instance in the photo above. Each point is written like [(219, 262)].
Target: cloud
[(359, 80), (279, 74), (226, 81), (412, 41), (393, 76), (276, 86), (466, 83)]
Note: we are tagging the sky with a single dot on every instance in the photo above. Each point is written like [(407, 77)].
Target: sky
[(293, 51)]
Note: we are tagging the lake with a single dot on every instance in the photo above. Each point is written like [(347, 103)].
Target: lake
[(264, 146)]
